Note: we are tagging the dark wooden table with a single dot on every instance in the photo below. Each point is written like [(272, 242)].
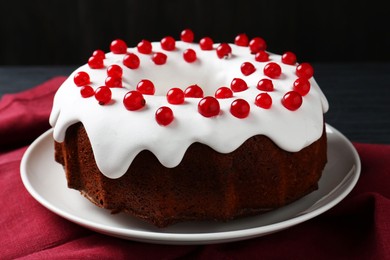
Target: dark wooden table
[(358, 94)]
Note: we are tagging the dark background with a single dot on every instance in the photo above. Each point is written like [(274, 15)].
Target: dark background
[(66, 32)]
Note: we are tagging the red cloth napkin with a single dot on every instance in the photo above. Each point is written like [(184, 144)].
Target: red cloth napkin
[(357, 228)]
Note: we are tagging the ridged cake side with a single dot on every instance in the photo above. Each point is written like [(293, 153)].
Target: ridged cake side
[(257, 177)]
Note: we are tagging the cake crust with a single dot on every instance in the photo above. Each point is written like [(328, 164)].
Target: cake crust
[(207, 185)]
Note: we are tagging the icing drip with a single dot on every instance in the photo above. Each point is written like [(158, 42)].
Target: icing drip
[(118, 135)]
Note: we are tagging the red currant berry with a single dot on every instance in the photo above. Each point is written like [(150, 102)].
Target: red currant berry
[(168, 43), (131, 61), (159, 58), (208, 107), (206, 43), (187, 35), (81, 78), (263, 100), (114, 71), (302, 86), (164, 116), (175, 96), (292, 100), (257, 44), (144, 47), (305, 70), (262, 56), (272, 70), (247, 68), (99, 53), (289, 58), (133, 100), (113, 82), (189, 55), (223, 92), (87, 91), (146, 87), (118, 46), (103, 95), (265, 85), (238, 85), (240, 108), (95, 62), (193, 91), (241, 40), (224, 51)]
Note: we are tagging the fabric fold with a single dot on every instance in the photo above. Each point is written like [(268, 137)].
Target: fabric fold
[(24, 116)]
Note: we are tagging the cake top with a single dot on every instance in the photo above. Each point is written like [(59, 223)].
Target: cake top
[(164, 96)]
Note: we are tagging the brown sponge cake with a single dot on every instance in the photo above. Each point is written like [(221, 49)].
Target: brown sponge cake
[(255, 178)]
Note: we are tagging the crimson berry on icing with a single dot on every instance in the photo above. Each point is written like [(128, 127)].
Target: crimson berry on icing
[(168, 43), (113, 82), (95, 62), (247, 68), (114, 71), (87, 91), (208, 106), (302, 86), (262, 56), (240, 108), (175, 96), (223, 92), (257, 44), (206, 43), (187, 35), (238, 85), (131, 61), (118, 46), (99, 53), (189, 55), (305, 70), (292, 100), (224, 51), (159, 58), (103, 95), (263, 100), (144, 47), (193, 91), (134, 100), (164, 116), (289, 58), (241, 40), (272, 70), (265, 85), (81, 78), (146, 87)]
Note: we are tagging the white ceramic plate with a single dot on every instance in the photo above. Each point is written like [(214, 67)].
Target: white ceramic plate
[(45, 181)]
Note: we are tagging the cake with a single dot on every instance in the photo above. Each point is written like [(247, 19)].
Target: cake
[(176, 131)]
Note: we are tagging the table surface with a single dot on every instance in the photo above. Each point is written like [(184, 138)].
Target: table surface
[(358, 94)]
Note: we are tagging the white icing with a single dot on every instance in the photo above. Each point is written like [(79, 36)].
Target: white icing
[(118, 135)]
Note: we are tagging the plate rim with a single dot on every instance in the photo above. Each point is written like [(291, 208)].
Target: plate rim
[(189, 238)]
